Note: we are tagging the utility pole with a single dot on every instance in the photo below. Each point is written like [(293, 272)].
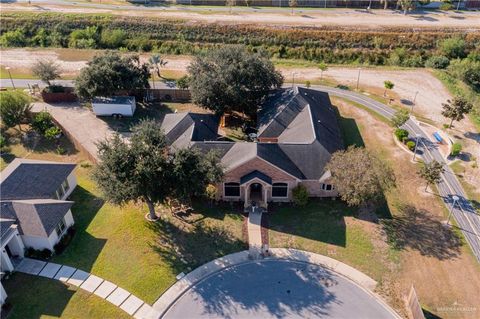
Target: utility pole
[(358, 77), (458, 5), (413, 102), (10, 75), (293, 79)]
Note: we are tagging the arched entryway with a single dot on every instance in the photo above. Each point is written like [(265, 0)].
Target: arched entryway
[(256, 193)]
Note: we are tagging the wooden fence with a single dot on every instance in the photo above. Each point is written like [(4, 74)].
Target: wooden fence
[(413, 305)]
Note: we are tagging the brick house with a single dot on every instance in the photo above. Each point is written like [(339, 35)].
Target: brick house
[(297, 131)]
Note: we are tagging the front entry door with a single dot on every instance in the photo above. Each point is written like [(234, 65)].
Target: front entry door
[(256, 193)]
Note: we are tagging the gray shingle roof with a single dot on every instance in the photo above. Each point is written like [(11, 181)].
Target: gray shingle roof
[(36, 217), (32, 179), (303, 120)]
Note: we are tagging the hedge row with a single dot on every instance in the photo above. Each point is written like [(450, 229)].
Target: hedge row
[(333, 45)]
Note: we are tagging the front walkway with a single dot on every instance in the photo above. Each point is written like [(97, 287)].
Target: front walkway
[(255, 233), (102, 288)]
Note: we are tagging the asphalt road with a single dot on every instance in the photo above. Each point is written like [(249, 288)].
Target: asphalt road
[(465, 215), (277, 289), (24, 83)]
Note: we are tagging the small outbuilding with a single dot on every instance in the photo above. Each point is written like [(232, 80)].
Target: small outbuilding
[(114, 106)]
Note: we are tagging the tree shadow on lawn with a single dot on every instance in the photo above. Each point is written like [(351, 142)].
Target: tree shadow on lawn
[(417, 230), (185, 246), (34, 297), (83, 250)]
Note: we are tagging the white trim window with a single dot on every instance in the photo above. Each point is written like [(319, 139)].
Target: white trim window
[(62, 190), (280, 190), (327, 187), (60, 229), (231, 189)]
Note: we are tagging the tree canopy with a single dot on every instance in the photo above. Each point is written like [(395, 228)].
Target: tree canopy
[(145, 170), (14, 108), (111, 72), (456, 109), (400, 117), (47, 71), (359, 176), (431, 172), (232, 79)]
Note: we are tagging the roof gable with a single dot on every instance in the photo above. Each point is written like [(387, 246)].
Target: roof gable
[(28, 179)]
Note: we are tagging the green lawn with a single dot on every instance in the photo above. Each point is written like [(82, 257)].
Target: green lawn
[(38, 297), (326, 227), (118, 244)]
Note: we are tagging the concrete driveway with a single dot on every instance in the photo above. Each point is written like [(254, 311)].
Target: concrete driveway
[(277, 289), (79, 122)]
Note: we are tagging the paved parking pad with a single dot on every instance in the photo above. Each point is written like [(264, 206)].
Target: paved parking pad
[(64, 273), (131, 304), (277, 289), (31, 266), (118, 296), (78, 278), (50, 270), (91, 283), (105, 289)]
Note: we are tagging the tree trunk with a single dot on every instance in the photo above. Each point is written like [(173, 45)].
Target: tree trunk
[(151, 210), (386, 5), (426, 187), (451, 123)]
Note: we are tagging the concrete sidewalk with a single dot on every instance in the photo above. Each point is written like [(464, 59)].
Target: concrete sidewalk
[(90, 283), (255, 234)]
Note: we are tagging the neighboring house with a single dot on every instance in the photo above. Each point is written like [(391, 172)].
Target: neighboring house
[(34, 211), (297, 133)]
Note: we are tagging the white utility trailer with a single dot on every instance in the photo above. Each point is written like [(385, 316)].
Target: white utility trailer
[(114, 106)]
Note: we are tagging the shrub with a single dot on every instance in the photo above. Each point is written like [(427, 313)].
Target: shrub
[(15, 38), (300, 195), (55, 89), (466, 70), (3, 144), (401, 134), (60, 150), (112, 39), (445, 6), (64, 241), (452, 48), (42, 121), (43, 254), (411, 145), (182, 83), (437, 62), (52, 133), (308, 84), (456, 149)]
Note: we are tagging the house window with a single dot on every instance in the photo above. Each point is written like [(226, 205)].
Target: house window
[(60, 227), (280, 190), (62, 190), (231, 190), (327, 187)]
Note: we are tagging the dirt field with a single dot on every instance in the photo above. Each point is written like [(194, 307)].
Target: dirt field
[(343, 17), (445, 275)]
